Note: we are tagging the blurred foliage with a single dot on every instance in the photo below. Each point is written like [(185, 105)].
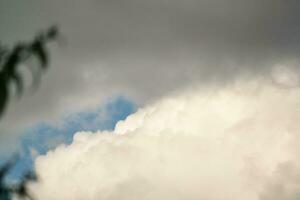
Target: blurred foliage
[(7, 192), (10, 61)]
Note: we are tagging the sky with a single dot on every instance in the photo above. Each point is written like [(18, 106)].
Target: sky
[(228, 66), (44, 136), (144, 49)]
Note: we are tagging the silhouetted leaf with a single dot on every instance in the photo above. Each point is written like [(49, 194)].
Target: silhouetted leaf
[(3, 96), (20, 189), (38, 49), (52, 33)]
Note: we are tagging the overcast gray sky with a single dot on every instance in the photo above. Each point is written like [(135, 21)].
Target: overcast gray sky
[(146, 48)]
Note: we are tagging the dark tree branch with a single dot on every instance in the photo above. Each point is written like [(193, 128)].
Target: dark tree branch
[(20, 53)]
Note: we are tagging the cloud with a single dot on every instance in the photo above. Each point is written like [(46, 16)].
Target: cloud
[(44, 136), (240, 141)]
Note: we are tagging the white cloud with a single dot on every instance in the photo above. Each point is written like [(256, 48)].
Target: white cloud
[(238, 142)]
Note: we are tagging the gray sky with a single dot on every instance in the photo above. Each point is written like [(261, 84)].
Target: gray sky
[(146, 48)]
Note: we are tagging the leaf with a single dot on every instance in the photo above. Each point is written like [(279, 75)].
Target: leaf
[(3, 99), (52, 33), (38, 49)]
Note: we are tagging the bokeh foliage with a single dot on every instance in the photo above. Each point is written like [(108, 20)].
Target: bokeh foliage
[(11, 60)]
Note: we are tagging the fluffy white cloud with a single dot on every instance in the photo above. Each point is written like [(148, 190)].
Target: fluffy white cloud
[(238, 142)]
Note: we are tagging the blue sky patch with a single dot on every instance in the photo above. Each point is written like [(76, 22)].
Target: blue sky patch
[(43, 136)]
